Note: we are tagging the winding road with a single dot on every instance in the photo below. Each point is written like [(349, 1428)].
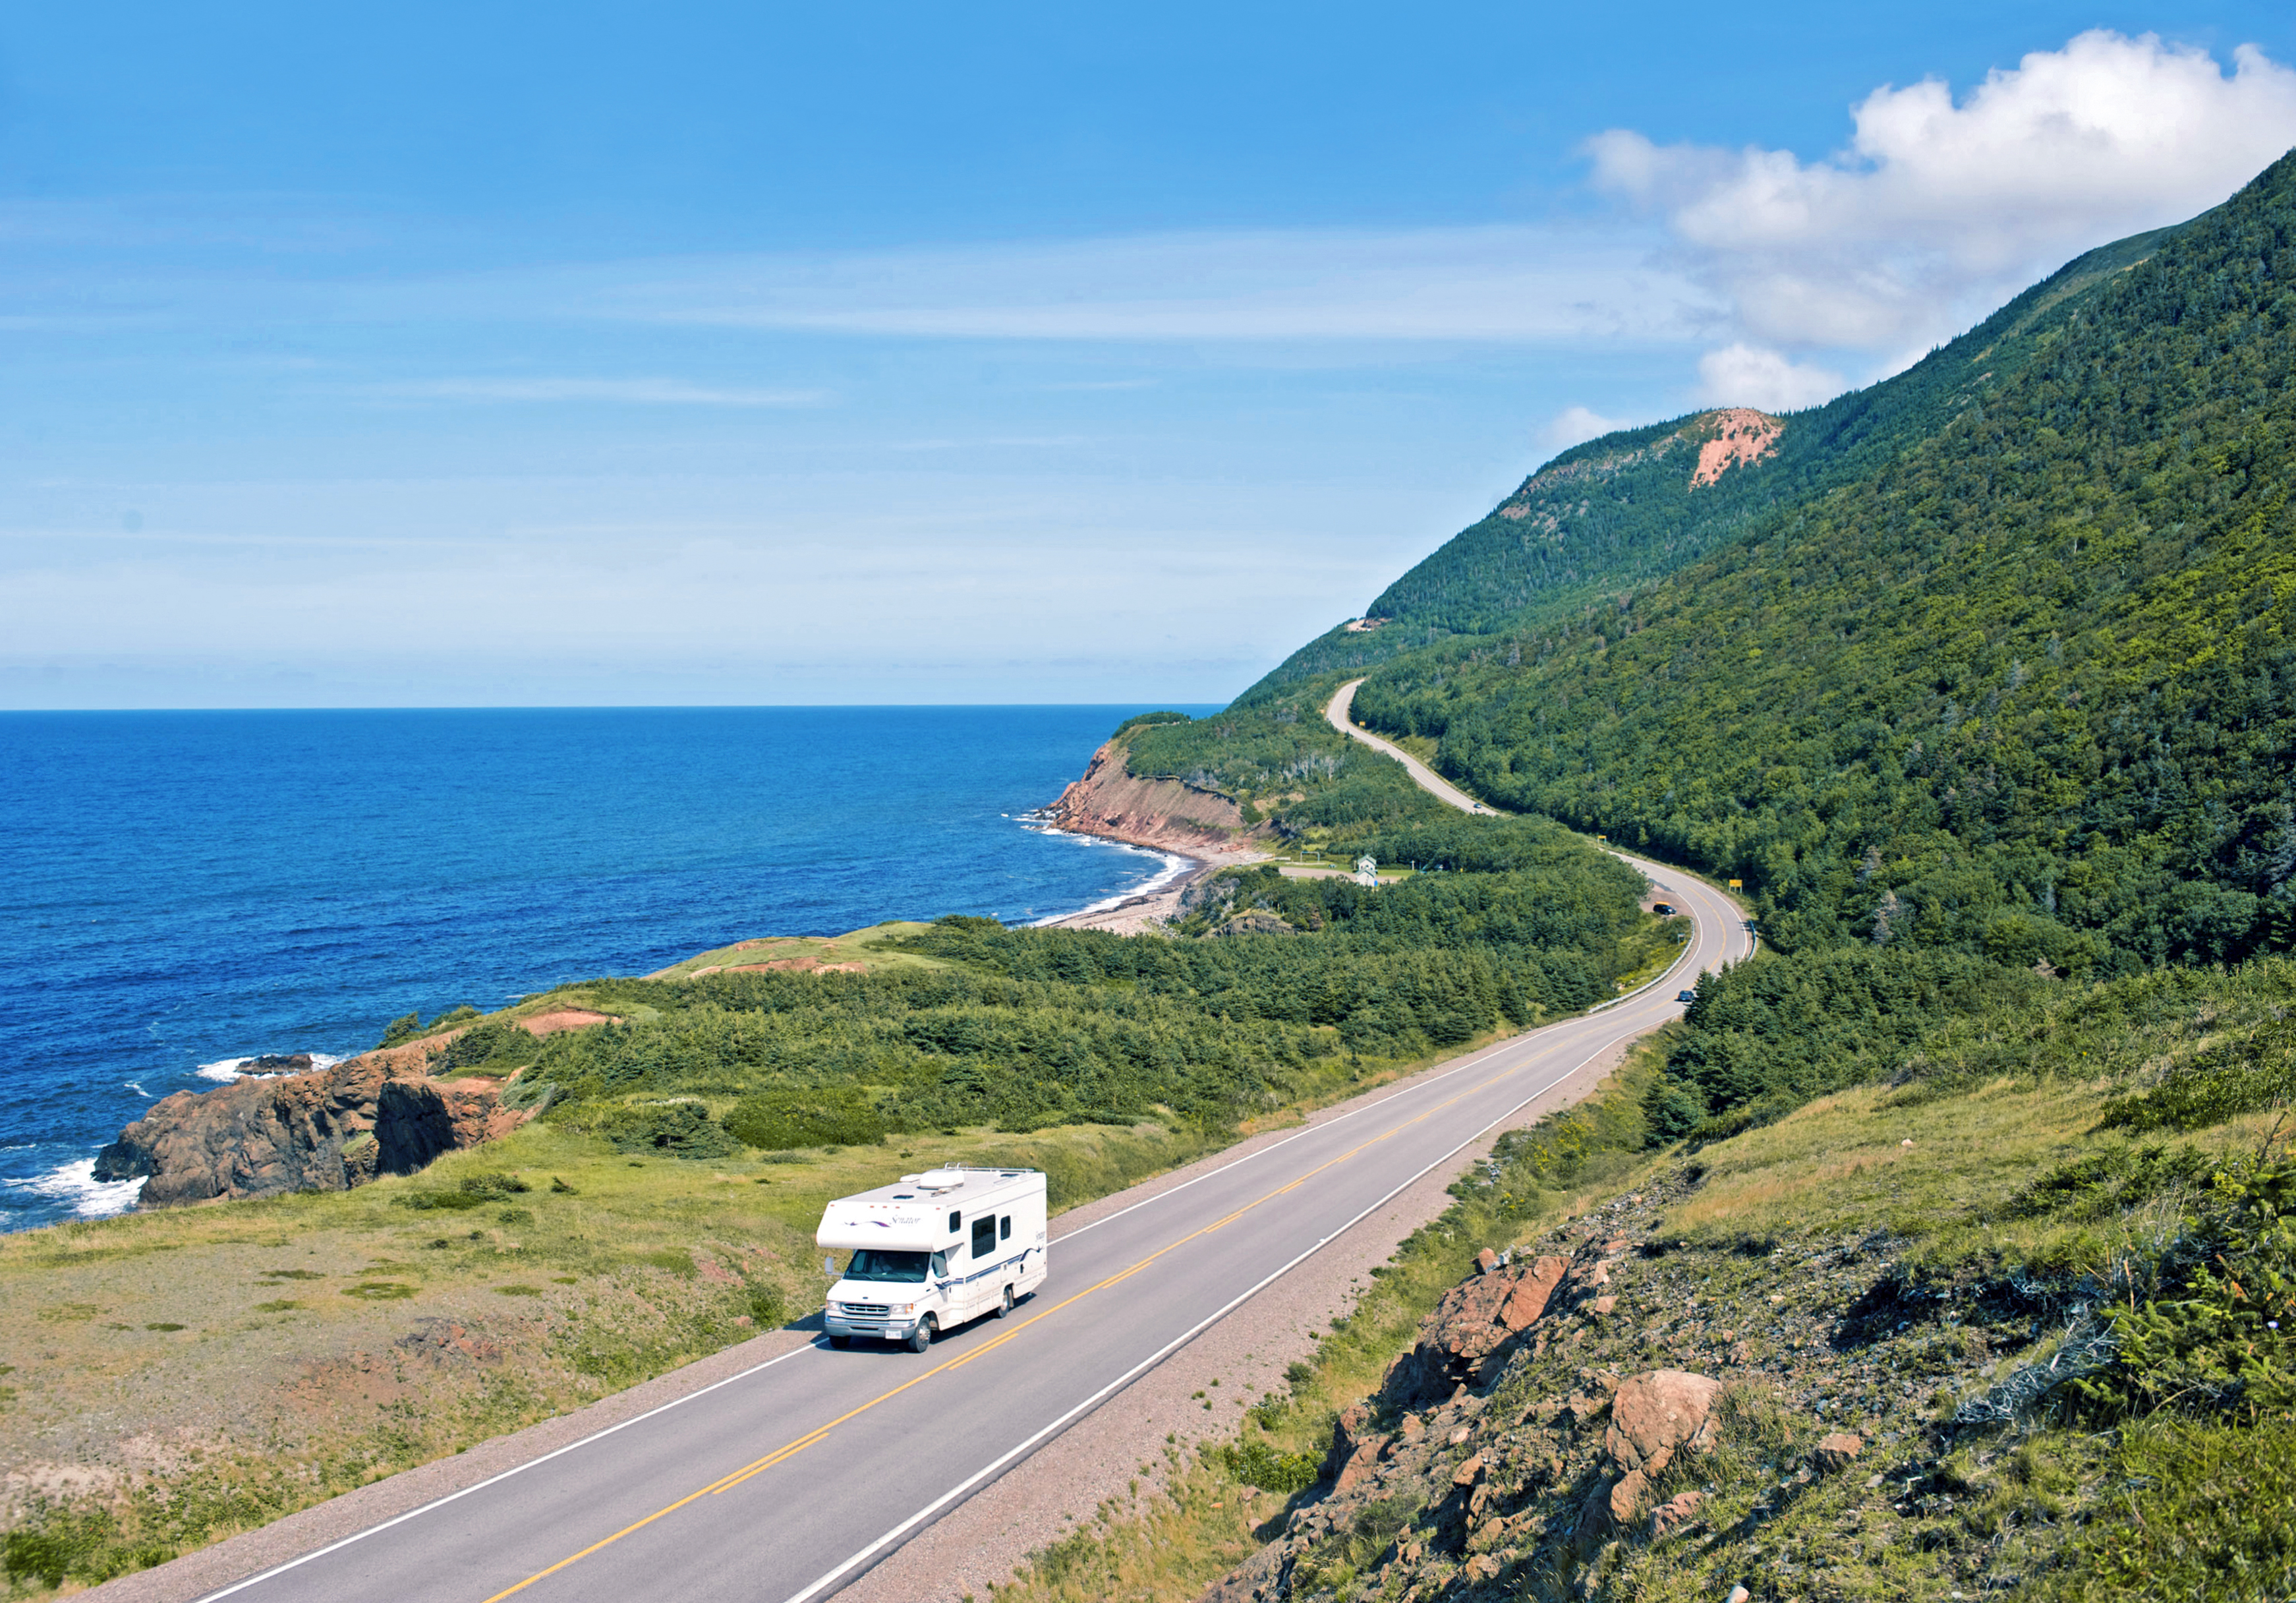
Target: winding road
[(1340, 715), (786, 1481)]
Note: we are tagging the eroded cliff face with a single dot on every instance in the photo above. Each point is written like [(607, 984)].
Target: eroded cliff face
[(1107, 801), (326, 1130)]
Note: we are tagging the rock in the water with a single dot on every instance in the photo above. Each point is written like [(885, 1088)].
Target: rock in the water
[(324, 1130)]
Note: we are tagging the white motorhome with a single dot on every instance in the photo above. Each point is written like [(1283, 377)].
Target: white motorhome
[(934, 1251)]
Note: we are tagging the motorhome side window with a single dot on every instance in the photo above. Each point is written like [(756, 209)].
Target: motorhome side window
[(956, 1223), (984, 1235), (1004, 1228), (939, 1264)]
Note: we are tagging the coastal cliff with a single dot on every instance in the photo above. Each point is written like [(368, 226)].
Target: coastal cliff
[(1163, 815), (326, 1130), (1169, 813)]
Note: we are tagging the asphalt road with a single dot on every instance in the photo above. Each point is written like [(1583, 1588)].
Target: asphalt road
[(1341, 716), (787, 1481)]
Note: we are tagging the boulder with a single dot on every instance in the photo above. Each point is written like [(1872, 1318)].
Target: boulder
[(1533, 1286), (1654, 1413), (1469, 1472), (1675, 1512), (1626, 1496), (1835, 1452), (1462, 1341)]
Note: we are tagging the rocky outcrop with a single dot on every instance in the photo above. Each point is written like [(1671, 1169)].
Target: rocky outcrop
[(1111, 800), (326, 1130), (1651, 1416), (1474, 1327)]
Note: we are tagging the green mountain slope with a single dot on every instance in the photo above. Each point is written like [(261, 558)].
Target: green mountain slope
[(2027, 687), (1618, 514)]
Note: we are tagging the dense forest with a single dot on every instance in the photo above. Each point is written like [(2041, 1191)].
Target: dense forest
[(1026, 1028), (2023, 691)]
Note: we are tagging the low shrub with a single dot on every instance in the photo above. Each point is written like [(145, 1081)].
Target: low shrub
[(1257, 1464), (805, 1118)]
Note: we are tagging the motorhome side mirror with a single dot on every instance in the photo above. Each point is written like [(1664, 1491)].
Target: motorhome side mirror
[(829, 1267)]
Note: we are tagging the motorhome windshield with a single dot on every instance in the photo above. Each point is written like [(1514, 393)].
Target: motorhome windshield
[(872, 1263)]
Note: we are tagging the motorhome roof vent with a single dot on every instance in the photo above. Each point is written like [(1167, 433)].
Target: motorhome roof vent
[(942, 1180)]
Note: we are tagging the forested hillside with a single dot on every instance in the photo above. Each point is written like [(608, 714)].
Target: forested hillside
[(2024, 690), (1609, 518)]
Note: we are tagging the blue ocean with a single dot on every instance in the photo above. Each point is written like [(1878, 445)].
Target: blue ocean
[(182, 890)]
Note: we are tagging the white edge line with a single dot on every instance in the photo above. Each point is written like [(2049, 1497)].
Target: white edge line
[(1462, 1065), (1176, 1343), (332, 1547)]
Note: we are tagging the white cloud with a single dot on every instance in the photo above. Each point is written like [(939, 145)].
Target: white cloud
[(1746, 375), (1575, 425), (1937, 209), (633, 391)]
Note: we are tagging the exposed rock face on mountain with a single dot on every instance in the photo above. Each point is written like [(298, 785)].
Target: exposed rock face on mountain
[(1109, 801), (326, 1130)]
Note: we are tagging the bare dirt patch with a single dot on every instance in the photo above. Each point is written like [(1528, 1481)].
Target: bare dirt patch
[(566, 1018), (1742, 434)]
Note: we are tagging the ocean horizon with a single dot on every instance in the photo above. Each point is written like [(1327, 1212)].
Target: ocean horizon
[(186, 890)]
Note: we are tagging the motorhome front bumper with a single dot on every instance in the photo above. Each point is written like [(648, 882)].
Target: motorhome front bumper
[(861, 1320)]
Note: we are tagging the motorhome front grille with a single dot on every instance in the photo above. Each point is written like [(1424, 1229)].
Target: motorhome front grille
[(865, 1311)]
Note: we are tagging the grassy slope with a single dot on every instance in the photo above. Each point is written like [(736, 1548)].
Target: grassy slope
[(1880, 1260)]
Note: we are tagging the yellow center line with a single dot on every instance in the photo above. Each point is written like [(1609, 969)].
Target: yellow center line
[(726, 1483)]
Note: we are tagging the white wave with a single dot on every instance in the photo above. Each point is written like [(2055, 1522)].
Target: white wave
[(76, 1183), (228, 1069), (1173, 867), (139, 1090)]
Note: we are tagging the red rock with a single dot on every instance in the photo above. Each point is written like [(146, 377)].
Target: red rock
[(1532, 1291), (1835, 1451), (1487, 1260), (1469, 1472), (1626, 1499), (1362, 1464), (1675, 1512), (326, 1130), (1657, 1412), (1601, 1305)]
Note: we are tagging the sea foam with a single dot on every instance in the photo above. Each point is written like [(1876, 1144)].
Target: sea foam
[(228, 1069), (74, 1186)]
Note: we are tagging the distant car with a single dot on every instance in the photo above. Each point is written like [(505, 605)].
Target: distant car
[(1664, 910), (1686, 996)]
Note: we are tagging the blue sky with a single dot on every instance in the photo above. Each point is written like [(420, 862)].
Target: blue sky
[(489, 355)]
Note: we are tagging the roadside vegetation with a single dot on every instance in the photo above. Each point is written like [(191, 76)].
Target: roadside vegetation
[(2042, 1267)]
